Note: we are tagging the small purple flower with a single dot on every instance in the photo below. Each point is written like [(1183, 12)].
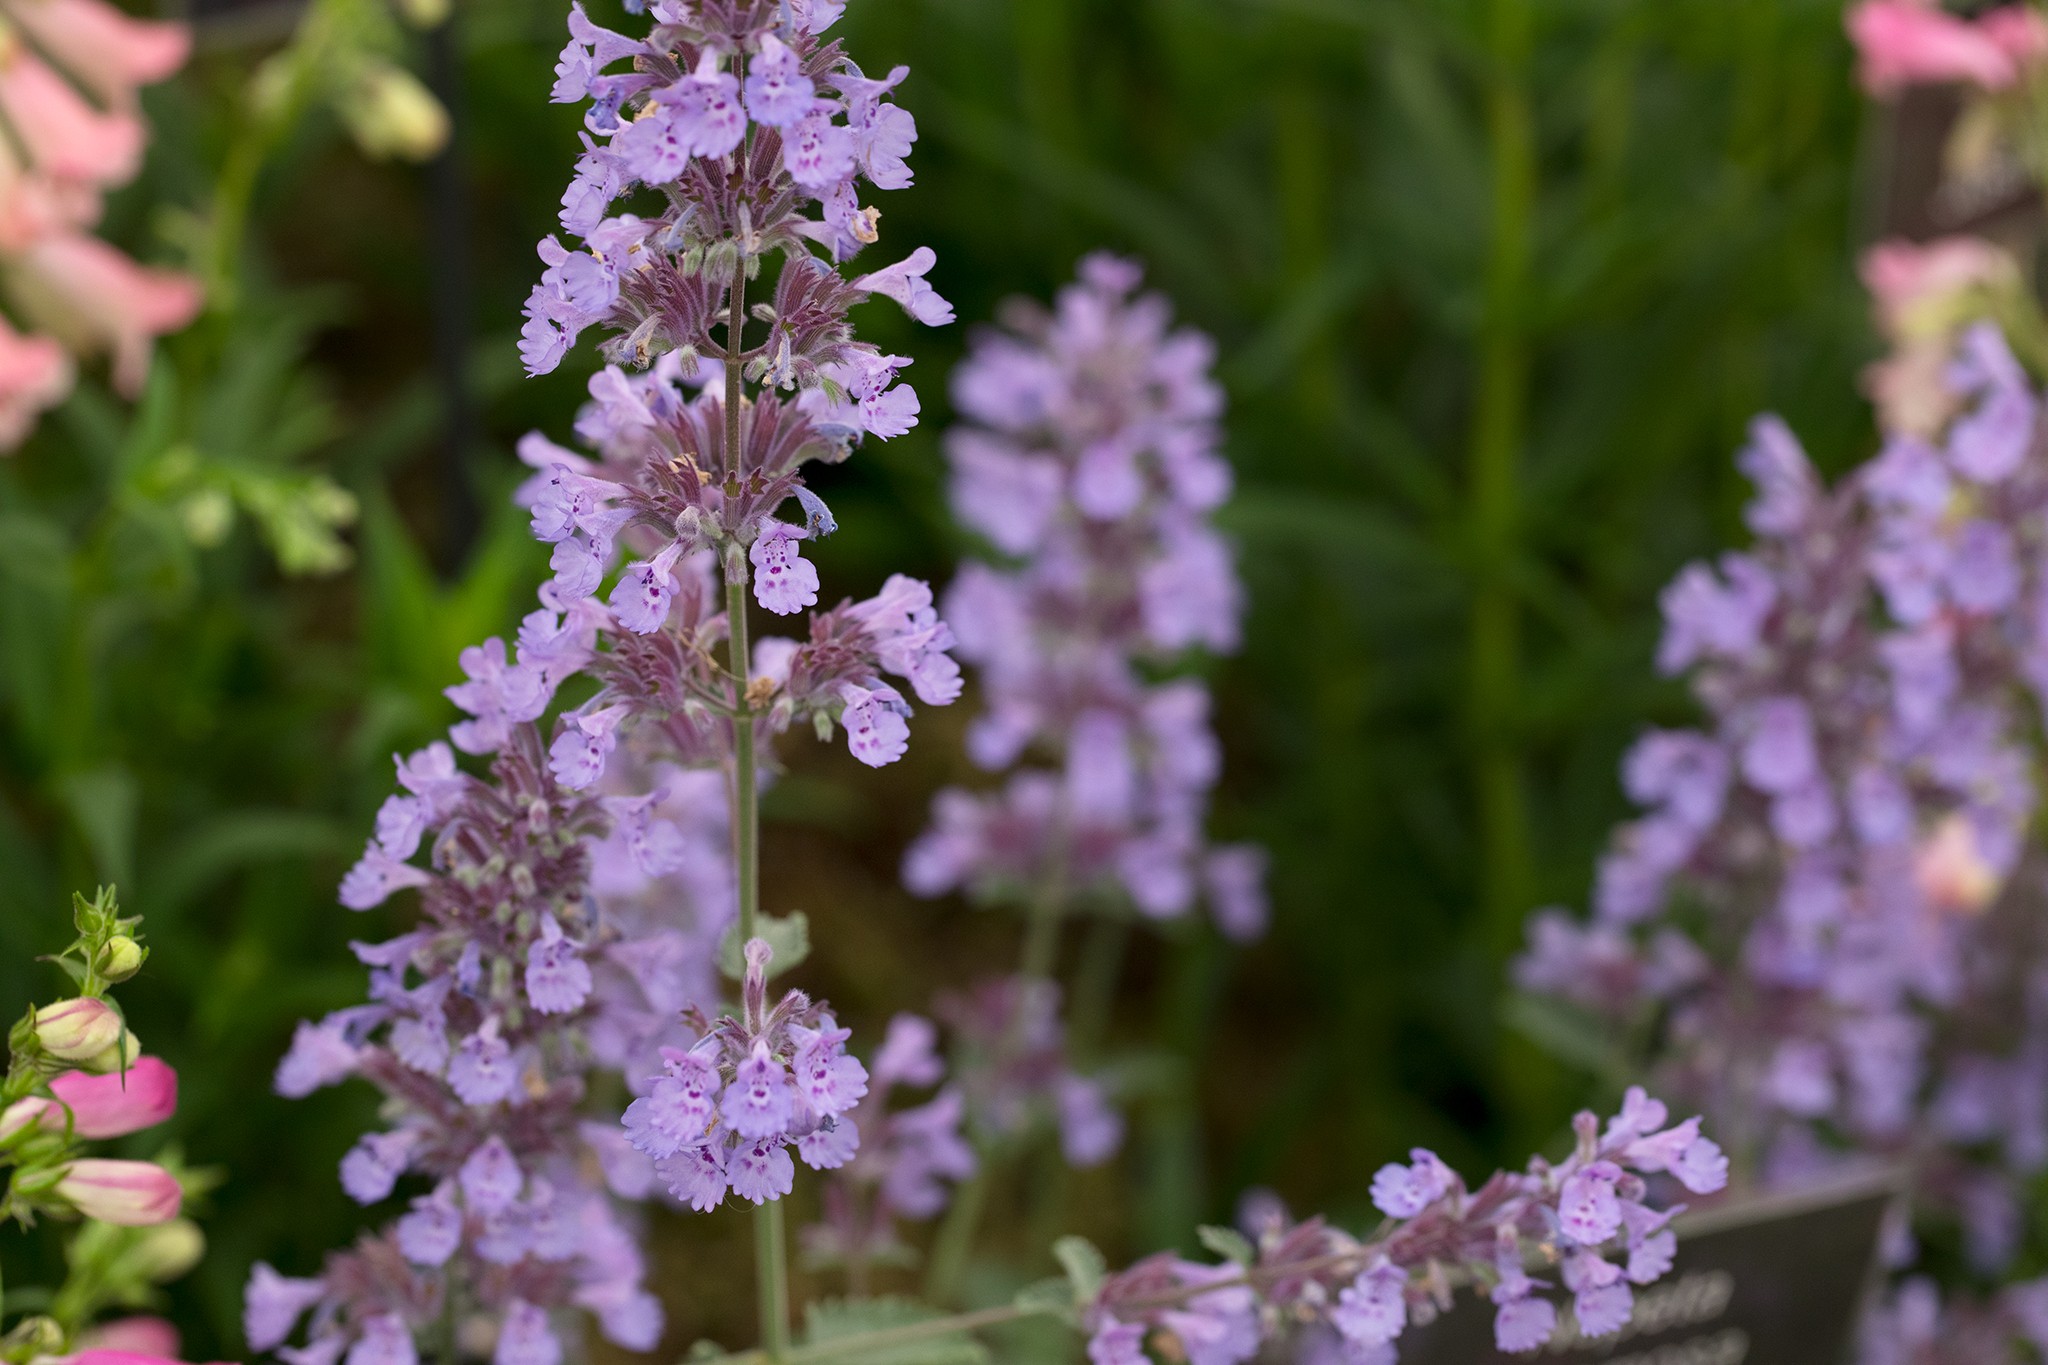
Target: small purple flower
[(431, 1230), (583, 745), (1587, 1208), (778, 92), (678, 1111), (386, 1340), (697, 1175), (525, 1338), (1524, 1324), (376, 876), (905, 283), (1602, 1310), (761, 1171), (557, 978), (481, 1071), (784, 581), (491, 1178), (370, 1170), (1405, 1191), (272, 1305), (758, 1102), (1373, 1309), (320, 1056), (642, 597), (876, 732)]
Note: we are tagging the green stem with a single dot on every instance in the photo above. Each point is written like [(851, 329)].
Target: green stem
[(956, 1234), (1497, 435), (771, 1257)]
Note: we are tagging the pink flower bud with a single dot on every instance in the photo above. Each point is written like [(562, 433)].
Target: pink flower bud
[(131, 1194), (78, 1029), (21, 1114), (92, 298), (115, 1104)]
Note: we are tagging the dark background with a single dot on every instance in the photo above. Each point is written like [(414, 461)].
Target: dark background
[(1497, 285)]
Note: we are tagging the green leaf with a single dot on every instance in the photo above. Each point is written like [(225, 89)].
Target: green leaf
[(828, 1320), (1051, 1297), (789, 936), (103, 804), (1228, 1243), (1085, 1266)]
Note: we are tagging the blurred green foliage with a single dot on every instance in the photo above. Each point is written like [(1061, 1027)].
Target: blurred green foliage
[(1496, 285)]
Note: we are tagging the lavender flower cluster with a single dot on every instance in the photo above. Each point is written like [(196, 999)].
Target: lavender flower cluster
[(1849, 829), (573, 903), (1091, 464), (1578, 1215), (483, 1061), (725, 1111)]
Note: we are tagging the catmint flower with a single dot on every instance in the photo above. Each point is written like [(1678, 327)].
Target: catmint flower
[(1090, 457), (784, 581), (1843, 828), (558, 980), (740, 1142)]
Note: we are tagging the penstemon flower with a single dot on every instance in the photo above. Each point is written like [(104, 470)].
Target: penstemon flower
[(70, 129), (1091, 465)]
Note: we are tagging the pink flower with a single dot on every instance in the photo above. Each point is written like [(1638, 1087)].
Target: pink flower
[(106, 1355), (100, 46), (93, 298), (1906, 42), (141, 1335), (115, 1104), (132, 1194), (66, 138), (35, 374), (1908, 280)]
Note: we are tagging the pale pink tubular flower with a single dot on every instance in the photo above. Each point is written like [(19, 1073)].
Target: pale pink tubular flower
[(107, 51), (131, 1194), (35, 373), (1924, 295), (103, 1355), (141, 1335), (65, 136), (71, 128), (117, 1103), (1909, 42), (92, 298)]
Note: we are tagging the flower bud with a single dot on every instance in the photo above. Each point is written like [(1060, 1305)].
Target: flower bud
[(424, 13), (129, 1194), (73, 1030), (116, 1104), (166, 1252), (391, 114), (33, 1337), (22, 1114), (119, 959), (119, 1056)]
